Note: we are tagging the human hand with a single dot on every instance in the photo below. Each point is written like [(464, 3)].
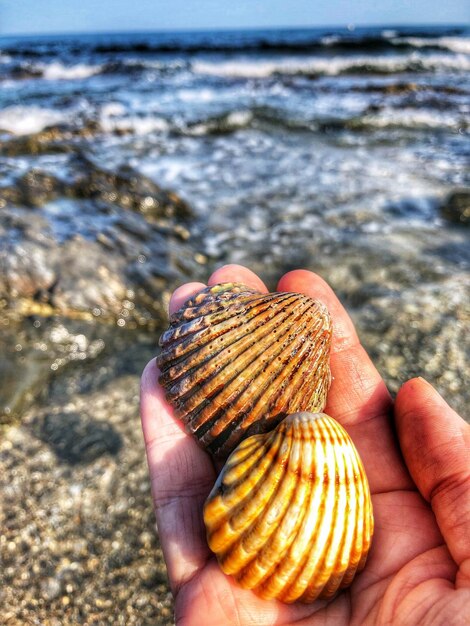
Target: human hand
[(416, 454)]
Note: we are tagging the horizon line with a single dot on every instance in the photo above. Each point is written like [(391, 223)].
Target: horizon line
[(351, 27)]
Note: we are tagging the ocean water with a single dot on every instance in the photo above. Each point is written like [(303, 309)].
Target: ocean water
[(292, 146)]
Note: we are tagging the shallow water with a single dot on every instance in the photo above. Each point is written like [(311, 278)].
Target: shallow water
[(256, 128)]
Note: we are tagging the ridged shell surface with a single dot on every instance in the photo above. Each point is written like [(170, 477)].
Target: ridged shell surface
[(290, 515), (235, 362)]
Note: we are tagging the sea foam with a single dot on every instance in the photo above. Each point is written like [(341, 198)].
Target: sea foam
[(334, 66), (114, 117), (455, 44), (27, 120), (59, 71)]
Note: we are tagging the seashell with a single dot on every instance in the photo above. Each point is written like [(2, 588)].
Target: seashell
[(290, 515), (235, 362)]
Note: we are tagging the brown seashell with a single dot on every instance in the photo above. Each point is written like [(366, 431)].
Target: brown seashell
[(235, 362), (290, 515)]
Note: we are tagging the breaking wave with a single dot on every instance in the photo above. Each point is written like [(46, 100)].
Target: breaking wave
[(334, 66), (27, 120)]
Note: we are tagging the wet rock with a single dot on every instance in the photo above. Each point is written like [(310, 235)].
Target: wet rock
[(37, 187), (81, 259), (90, 247), (25, 242), (99, 243), (55, 139), (126, 188), (85, 179), (456, 207)]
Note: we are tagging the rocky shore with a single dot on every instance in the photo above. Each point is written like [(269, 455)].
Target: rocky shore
[(80, 318), (131, 166), (87, 264), (83, 257)]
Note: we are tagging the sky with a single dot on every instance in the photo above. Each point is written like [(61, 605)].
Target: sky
[(58, 16)]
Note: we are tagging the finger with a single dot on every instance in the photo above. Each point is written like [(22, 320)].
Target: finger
[(183, 293), (358, 391), (181, 476), (237, 274), (436, 445), (358, 397)]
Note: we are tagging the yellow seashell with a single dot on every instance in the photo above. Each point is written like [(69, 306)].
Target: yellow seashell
[(235, 362), (290, 515)]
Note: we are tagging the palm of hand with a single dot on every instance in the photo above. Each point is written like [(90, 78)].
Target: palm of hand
[(411, 576)]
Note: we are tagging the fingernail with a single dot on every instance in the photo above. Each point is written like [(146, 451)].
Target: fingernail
[(423, 380)]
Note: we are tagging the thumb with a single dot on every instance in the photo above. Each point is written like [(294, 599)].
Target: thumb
[(435, 443)]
